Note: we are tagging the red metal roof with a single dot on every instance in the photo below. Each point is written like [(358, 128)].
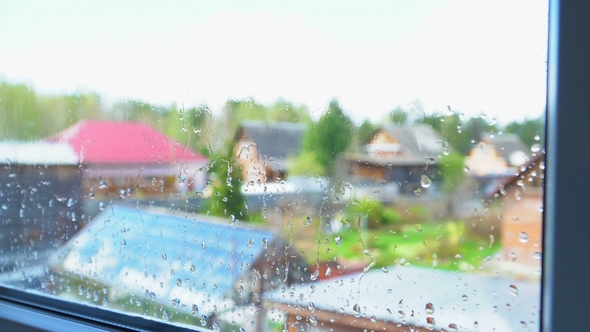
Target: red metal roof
[(110, 142)]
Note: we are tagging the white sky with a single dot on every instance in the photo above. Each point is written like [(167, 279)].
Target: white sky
[(478, 57)]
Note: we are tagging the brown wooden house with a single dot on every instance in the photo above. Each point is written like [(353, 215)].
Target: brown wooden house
[(522, 220), (397, 154), (263, 148)]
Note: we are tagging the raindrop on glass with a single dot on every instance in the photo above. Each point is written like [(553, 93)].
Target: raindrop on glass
[(425, 182), (315, 275), (523, 237), (313, 320), (429, 309), (356, 310), (430, 323), (513, 290)]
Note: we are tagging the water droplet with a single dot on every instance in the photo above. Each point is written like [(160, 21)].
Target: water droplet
[(215, 326), (373, 319), (356, 310), (123, 243), (453, 327), (537, 137), (338, 241), (175, 302), (401, 314), (195, 309), (464, 298), (512, 256), (537, 255), (164, 256), (307, 221), (311, 306), (466, 169), (315, 275), (203, 320), (523, 324), (523, 237), (430, 323), (425, 182), (417, 192), (536, 148), (328, 272), (203, 246), (313, 320), (476, 324), (508, 307), (429, 308), (165, 315), (264, 243), (251, 242), (105, 302), (345, 222), (513, 290), (178, 282), (192, 268)]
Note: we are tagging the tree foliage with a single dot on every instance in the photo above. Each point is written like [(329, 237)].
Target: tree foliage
[(227, 198), (530, 131), (452, 171), (329, 137), (398, 116)]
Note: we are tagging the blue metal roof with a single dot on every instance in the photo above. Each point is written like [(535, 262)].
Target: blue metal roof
[(188, 259)]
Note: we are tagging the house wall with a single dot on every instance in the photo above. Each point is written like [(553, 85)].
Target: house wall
[(484, 159), (523, 215), (39, 205)]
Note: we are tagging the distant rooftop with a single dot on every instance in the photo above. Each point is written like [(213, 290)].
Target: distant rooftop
[(401, 295), (111, 142), (417, 140), (37, 153), (193, 260), (276, 140)]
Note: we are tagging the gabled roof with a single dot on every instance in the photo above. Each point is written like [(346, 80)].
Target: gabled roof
[(417, 140), (509, 146), (275, 140), (459, 299), (142, 251), (110, 142)]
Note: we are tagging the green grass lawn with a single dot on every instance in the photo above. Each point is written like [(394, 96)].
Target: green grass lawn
[(444, 245)]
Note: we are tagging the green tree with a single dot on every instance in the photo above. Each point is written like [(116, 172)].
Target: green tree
[(329, 137), (530, 131), (365, 131), (452, 171), (457, 134), (227, 199), (19, 116), (286, 111), (305, 164), (398, 116)]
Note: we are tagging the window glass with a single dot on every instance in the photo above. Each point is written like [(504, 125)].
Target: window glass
[(320, 167)]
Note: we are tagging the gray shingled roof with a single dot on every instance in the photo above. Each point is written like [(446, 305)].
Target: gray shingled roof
[(276, 140), (506, 144), (417, 140)]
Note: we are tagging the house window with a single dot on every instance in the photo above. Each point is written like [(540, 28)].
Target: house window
[(204, 247)]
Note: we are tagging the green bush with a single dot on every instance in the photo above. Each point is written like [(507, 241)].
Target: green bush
[(376, 214)]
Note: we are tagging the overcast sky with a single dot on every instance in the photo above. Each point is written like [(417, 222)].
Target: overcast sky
[(478, 57)]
